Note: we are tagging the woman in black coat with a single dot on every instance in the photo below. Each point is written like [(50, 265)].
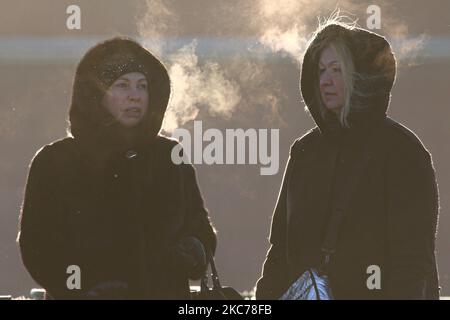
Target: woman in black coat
[(109, 200), (388, 224)]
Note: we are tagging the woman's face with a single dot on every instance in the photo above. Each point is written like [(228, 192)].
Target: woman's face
[(331, 82), (127, 99)]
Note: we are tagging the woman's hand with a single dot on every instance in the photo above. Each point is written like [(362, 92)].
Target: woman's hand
[(188, 256)]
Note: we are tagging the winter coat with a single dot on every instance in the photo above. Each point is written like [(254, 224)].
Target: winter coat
[(391, 218), (113, 207)]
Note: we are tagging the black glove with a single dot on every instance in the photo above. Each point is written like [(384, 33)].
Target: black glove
[(189, 257)]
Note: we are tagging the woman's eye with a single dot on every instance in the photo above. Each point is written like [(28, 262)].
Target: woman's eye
[(336, 69), (142, 86), (122, 85), (321, 71)]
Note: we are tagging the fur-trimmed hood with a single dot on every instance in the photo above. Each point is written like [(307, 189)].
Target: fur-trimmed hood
[(375, 70), (98, 69)]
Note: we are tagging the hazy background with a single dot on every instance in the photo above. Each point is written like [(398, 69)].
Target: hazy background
[(234, 64)]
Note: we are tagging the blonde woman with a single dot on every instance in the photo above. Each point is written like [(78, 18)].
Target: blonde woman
[(359, 200)]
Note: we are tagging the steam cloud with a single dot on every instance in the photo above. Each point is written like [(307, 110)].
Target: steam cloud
[(406, 48), (279, 27), (195, 86), (155, 24), (284, 26)]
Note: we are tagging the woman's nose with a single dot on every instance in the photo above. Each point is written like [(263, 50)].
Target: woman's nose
[(325, 79), (134, 94)]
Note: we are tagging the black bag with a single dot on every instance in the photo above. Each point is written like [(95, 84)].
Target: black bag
[(217, 292)]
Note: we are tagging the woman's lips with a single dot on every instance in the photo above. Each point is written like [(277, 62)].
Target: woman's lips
[(329, 96), (133, 112)]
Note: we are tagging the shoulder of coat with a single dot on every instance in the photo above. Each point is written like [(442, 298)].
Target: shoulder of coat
[(305, 140), (48, 152), (165, 142), (56, 146), (165, 146), (398, 135), (62, 143)]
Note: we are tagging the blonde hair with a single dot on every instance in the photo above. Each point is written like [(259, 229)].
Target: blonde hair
[(348, 71), (345, 60)]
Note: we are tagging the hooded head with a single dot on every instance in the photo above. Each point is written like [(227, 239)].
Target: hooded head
[(101, 66), (368, 70)]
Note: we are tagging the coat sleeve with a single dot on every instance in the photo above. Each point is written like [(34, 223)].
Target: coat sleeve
[(273, 282), (39, 237), (412, 206), (198, 223)]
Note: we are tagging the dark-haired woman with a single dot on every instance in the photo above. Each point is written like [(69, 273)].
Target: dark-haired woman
[(106, 213)]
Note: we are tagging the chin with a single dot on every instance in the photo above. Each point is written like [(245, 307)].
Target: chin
[(130, 123), (333, 107)]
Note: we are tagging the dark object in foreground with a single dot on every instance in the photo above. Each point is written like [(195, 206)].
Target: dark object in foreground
[(217, 292)]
